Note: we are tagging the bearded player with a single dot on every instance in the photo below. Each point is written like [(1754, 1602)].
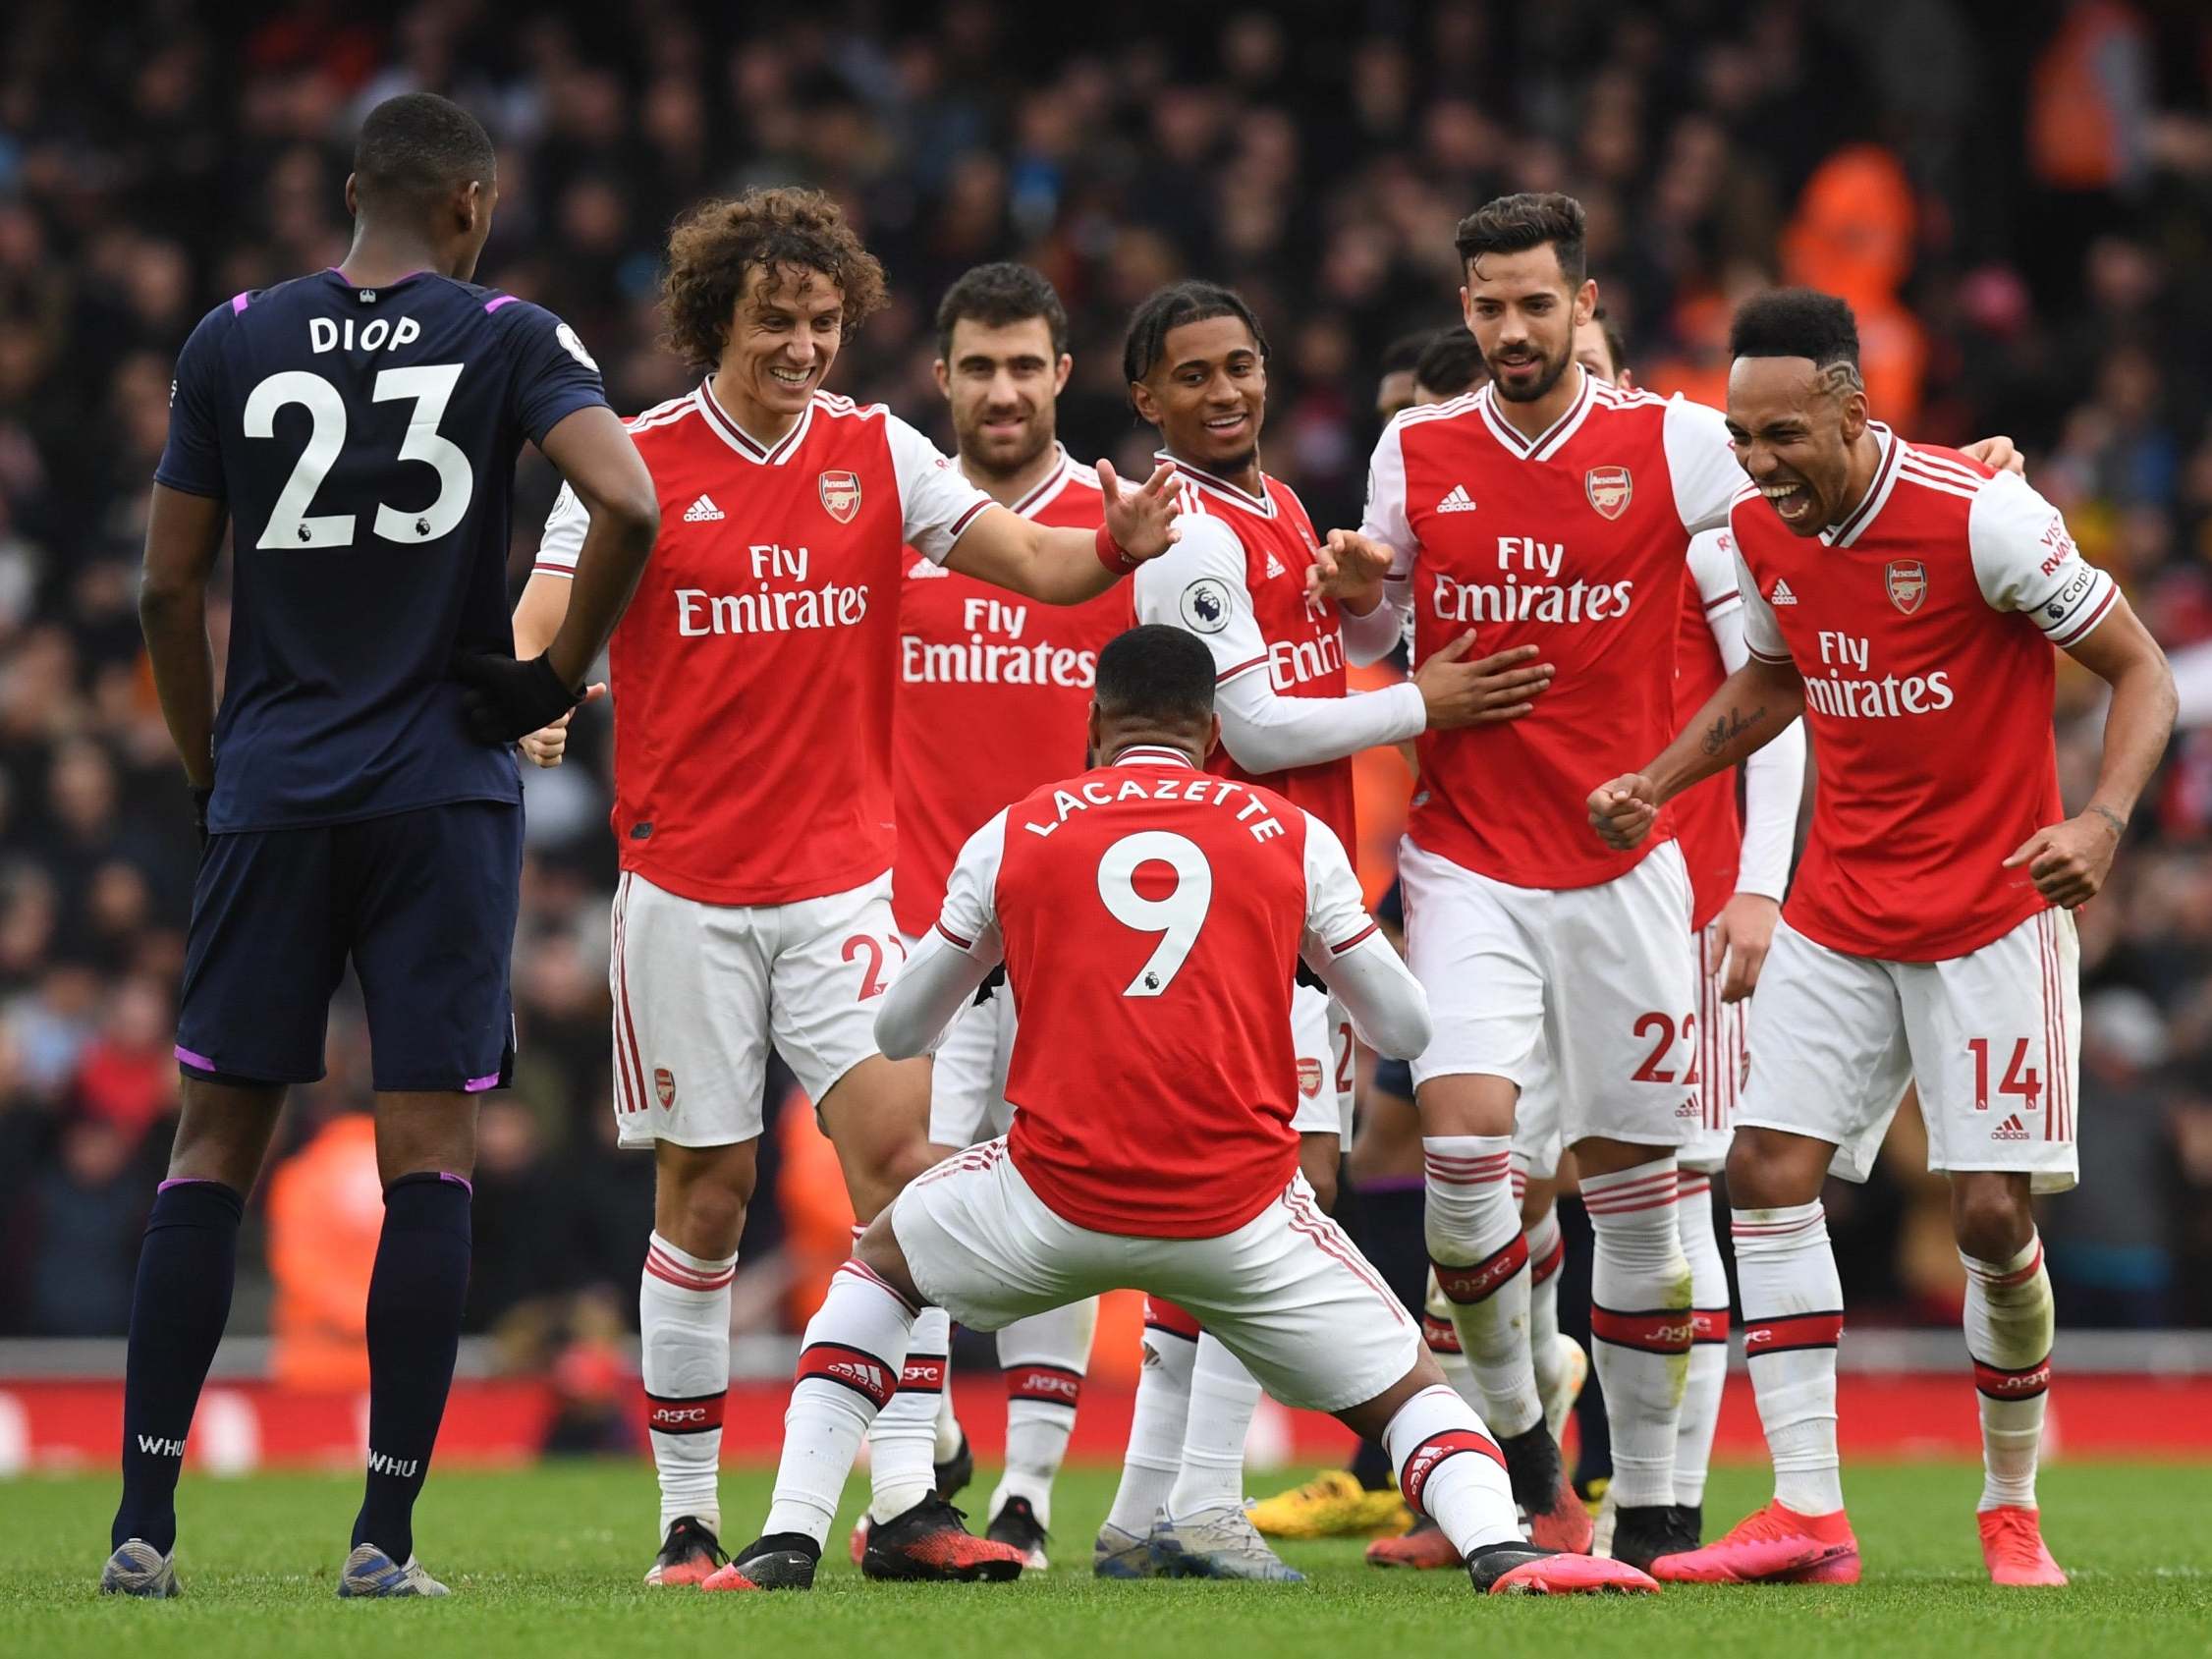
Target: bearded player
[(1904, 601), (753, 805), (1548, 507), (1150, 918), (1196, 361)]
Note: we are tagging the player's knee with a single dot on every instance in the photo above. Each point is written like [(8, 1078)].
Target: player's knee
[(701, 1201), (877, 1249), (1991, 1217), (1768, 1170)]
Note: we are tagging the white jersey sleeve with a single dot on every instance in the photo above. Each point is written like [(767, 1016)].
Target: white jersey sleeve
[(1199, 586), (1774, 776), (948, 962), (1699, 464), (1345, 945), (1385, 521), (935, 503), (561, 539), (2025, 561), (1762, 634), (1373, 636)]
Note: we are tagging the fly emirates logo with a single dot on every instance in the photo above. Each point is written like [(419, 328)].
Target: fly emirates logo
[(996, 652), (1528, 588), (780, 602), (1845, 689)]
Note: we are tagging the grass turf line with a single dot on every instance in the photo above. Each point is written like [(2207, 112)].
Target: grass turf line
[(549, 1560)]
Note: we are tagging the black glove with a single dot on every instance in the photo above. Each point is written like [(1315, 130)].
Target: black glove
[(200, 799), (991, 982), (504, 700), (1307, 977)]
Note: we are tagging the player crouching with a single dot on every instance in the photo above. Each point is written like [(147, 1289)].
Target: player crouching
[(1150, 918)]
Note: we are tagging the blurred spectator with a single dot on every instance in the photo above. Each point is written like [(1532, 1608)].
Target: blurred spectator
[(326, 1207)]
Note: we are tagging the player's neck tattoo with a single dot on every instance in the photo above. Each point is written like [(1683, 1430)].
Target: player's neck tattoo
[(1729, 727)]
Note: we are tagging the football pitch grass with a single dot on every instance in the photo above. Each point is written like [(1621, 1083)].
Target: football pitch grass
[(548, 1561)]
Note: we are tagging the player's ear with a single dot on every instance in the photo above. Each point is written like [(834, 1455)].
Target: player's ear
[(353, 198), (1213, 733), (1586, 301), (1090, 730), (1858, 413), (1060, 372), (1146, 406), (944, 378)]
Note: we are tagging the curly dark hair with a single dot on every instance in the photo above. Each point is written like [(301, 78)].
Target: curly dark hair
[(713, 246), (1794, 322)]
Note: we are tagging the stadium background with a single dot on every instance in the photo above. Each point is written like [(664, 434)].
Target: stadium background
[(2016, 197)]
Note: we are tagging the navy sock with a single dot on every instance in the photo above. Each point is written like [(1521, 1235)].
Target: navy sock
[(414, 1301), (178, 1308)]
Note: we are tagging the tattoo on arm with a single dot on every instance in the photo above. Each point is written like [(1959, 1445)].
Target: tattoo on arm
[(2119, 824), (1730, 726)]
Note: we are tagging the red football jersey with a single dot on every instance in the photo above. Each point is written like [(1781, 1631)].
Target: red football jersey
[(1923, 625), (993, 691), (1573, 542), (1151, 917), (1708, 822), (752, 674), (1237, 580)]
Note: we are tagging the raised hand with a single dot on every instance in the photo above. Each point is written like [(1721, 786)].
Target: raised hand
[(1140, 521), (1349, 565)]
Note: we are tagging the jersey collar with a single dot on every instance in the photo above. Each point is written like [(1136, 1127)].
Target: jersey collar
[(1199, 479), (726, 428), (1051, 485), (1545, 444), (1869, 508), (1151, 754)]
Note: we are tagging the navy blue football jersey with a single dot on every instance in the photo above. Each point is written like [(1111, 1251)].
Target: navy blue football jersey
[(364, 441)]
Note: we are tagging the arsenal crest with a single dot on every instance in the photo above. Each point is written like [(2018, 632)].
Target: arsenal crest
[(1907, 582), (1309, 1077), (841, 495), (1610, 489), (664, 1086)]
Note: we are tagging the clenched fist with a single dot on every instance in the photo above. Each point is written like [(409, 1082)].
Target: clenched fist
[(1624, 811)]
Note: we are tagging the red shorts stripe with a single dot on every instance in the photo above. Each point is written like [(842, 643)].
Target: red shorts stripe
[(1166, 1316), (684, 1415), (1466, 1284), (922, 1373), (1661, 1332), (850, 1367), (1426, 1458), (1305, 1217), (1049, 1385), (1788, 1334), (1709, 1324), (2025, 1384)]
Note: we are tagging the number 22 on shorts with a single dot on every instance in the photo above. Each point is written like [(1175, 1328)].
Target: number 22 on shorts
[(873, 981)]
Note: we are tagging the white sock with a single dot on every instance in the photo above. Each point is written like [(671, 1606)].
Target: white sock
[(1547, 1250), (684, 1321), (2008, 1326), (948, 1434), (1468, 1496), (1708, 1352), (1044, 1357), (902, 1442), (1224, 1397), (1792, 1318), (1481, 1262), (1163, 1408), (855, 1346), (1639, 1320)]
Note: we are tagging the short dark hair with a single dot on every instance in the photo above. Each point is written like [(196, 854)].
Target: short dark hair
[(713, 246), (1170, 308), (1155, 672), (999, 294), (1403, 356), (1615, 343), (1513, 224), (1451, 364), (1795, 322), (417, 145)]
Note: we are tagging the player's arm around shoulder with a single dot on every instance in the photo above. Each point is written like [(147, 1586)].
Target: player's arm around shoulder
[(2025, 560), (950, 961), (1345, 945)]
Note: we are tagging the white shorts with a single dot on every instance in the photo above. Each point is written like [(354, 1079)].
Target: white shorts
[(968, 1076), (1601, 979), (1287, 1293), (1723, 1056), (702, 990), (1992, 1037), (1322, 1038)]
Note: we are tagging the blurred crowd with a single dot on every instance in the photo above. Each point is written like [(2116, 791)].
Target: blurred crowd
[(2017, 199)]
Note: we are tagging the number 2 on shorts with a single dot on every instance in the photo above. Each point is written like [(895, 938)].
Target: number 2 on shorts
[(1176, 918)]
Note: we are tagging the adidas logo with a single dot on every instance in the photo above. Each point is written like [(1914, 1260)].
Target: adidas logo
[(2010, 1130), (702, 512), (1782, 595), (1274, 566), (924, 571), (1459, 501)]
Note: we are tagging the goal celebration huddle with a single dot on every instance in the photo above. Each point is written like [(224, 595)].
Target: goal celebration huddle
[(1011, 803)]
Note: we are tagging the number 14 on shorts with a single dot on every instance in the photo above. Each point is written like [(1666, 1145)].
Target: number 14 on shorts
[(2021, 1081)]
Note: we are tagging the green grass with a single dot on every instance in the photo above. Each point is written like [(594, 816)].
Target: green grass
[(547, 1563)]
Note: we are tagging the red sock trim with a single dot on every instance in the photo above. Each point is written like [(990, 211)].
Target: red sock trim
[(1710, 1324), (1424, 1460), (1441, 1335), (1788, 1336), (1551, 1263), (1166, 1316), (1666, 1331), (1480, 1283), (922, 1373), (695, 1413), (2023, 1384), (1048, 1385), (853, 1367)]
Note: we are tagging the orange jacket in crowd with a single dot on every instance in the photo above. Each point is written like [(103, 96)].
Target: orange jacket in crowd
[(326, 1207)]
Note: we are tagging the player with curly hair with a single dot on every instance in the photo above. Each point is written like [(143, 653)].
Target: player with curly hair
[(754, 683)]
